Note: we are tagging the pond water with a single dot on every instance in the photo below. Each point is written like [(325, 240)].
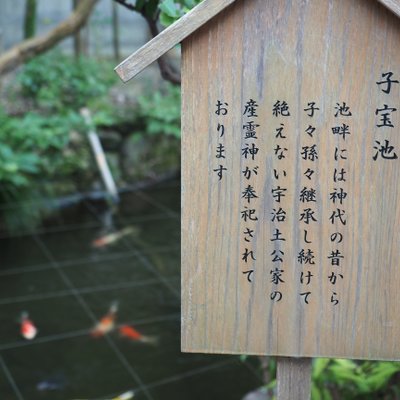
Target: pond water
[(67, 283)]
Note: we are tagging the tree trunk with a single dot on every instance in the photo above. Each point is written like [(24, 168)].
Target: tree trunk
[(30, 48), (115, 31), (30, 19), (81, 37)]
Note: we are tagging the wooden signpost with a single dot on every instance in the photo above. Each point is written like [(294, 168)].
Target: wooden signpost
[(290, 178)]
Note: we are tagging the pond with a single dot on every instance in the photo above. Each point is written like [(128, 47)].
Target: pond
[(68, 274)]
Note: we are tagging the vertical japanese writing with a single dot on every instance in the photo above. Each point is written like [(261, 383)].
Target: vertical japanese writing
[(382, 148), (280, 110), (221, 109), (317, 204), (306, 256), (249, 196), (337, 196)]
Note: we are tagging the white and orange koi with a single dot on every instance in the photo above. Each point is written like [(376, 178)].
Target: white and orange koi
[(111, 238), (107, 322), (28, 329)]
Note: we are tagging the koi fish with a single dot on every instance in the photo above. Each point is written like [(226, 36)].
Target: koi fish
[(112, 237), (125, 396), (107, 322), (131, 333), (28, 329)]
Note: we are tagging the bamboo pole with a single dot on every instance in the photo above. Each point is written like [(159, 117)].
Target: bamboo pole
[(100, 157)]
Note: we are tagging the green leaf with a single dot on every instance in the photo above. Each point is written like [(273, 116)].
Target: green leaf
[(326, 394), (315, 392), (344, 363), (169, 8), (166, 20), (271, 385), (380, 375), (319, 365)]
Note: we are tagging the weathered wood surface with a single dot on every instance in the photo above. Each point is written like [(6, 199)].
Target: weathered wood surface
[(294, 378), (170, 37), (392, 5), (323, 51)]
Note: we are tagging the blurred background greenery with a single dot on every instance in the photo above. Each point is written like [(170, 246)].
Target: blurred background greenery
[(45, 152)]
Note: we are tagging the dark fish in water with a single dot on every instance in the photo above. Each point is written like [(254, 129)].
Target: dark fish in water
[(53, 383), (44, 386)]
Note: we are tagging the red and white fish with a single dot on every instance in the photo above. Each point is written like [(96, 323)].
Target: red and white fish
[(107, 322), (132, 334), (28, 329), (106, 240)]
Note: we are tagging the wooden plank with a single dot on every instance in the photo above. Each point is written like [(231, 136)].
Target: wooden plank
[(294, 378), (317, 51), (170, 37), (392, 5)]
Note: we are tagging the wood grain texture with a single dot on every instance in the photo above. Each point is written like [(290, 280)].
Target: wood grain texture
[(294, 378), (297, 51), (170, 37), (392, 5)]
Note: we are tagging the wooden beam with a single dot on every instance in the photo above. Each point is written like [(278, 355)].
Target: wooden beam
[(392, 5), (170, 37), (294, 378)]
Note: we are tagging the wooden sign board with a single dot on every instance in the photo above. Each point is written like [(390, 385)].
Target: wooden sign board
[(290, 181)]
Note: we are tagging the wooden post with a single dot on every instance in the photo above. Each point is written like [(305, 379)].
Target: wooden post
[(293, 378)]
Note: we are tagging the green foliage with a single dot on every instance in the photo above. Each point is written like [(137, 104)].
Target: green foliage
[(172, 10), (169, 10), (36, 149), (348, 380), (146, 7), (47, 143), (57, 82), (351, 379), (160, 113)]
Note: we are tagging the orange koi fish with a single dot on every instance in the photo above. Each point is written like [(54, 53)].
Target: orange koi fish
[(112, 237), (28, 328), (132, 334), (106, 323)]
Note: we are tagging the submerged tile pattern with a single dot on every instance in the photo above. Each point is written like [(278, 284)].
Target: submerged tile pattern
[(66, 285)]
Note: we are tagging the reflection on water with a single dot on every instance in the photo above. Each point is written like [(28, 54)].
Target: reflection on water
[(101, 287)]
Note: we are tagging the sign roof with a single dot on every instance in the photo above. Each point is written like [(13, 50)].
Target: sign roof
[(181, 29)]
